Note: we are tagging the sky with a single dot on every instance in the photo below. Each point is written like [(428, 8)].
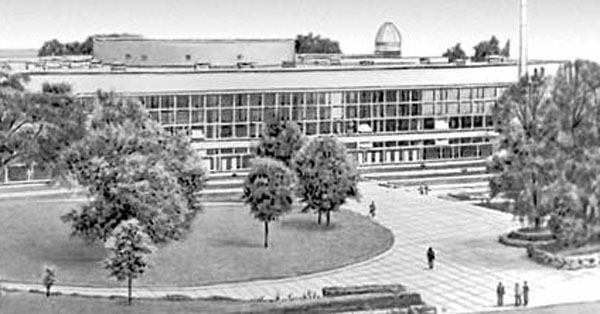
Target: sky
[(558, 29)]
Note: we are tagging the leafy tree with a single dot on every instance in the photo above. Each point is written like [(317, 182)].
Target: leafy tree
[(326, 176), (268, 191), (455, 53), (128, 250), (48, 279), (133, 169), (52, 48), (485, 49), (315, 44), (37, 127), (525, 150), (279, 140)]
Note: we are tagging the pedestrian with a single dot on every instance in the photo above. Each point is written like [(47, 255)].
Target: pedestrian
[(372, 209), (427, 189), (517, 295), (421, 191), (525, 294), (430, 257), (500, 293)]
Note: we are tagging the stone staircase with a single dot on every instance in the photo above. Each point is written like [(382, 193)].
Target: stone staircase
[(442, 177)]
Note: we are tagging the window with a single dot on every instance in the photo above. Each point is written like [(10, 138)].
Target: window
[(212, 116), (365, 111), (453, 123), (428, 95), (212, 100), (416, 95), (241, 115), (390, 96), (241, 130), (416, 110), (270, 99), (465, 94), (182, 101), (284, 99), (351, 112), (226, 115), (154, 100), (197, 101), (351, 97), (167, 101), (390, 110), (465, 107), (428, 124), (226, 131), (404, 95), (324, 113), (226, 100), (390, 125), (325, 127), (183, 117), (404, 110), (365, 97), (466, 122), (452, 94), (197, 116), (255, 114), (403, 125)]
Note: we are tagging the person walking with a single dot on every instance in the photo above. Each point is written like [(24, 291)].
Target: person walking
[(372, 209), (517, 295), (430, 257), (525, 294), (500, 293)]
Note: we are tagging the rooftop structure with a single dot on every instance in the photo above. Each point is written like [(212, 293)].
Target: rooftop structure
[(388, 41)]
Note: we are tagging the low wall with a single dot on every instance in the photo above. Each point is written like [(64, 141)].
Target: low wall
[(538, 254)]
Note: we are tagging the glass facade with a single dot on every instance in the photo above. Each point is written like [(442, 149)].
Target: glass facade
[(348, 113)]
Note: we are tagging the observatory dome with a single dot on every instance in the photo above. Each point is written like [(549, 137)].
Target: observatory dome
[(388, 40)]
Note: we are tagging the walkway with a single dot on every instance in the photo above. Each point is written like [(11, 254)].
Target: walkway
[(469, 263)]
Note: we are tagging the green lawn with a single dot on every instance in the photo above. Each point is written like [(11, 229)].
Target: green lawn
[(225, 246)]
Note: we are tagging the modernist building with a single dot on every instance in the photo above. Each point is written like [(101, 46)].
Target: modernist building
[(387, 109)]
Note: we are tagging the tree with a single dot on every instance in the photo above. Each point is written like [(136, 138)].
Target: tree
[(455, 53), (268, 191), (525, 147), (315, 44), (37, 127), (128, 249), (52, 48), (48, 279), (326, 176), (133, 169), (484, 49), (279, 140)]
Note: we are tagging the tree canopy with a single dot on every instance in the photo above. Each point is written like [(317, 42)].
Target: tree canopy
[(326, 176), (491, 47), (37, 127), (279, 140), (316, 44), (548, 151), (133, 169), (455, 53), (268, 191)]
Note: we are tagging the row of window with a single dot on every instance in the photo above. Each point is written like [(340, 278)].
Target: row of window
[(315, 114), (320, 98)]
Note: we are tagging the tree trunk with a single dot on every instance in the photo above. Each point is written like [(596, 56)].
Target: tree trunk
[(129, 280), (266, 234), (48, 291), (328, 217), (319, 217)]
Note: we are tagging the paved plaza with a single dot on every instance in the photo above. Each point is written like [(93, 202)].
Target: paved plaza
[(469, 261)]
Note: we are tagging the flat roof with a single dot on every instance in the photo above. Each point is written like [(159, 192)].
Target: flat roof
[(325, 78)]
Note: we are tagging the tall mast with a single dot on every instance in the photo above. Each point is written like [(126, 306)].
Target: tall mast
[(523, 39)]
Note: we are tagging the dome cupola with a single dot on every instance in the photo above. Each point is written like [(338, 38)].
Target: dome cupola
[(388, 40)]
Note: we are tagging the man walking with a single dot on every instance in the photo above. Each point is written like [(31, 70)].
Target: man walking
[(525, 293), (430, 257), (500, 294), (372, 209), (517, 295)]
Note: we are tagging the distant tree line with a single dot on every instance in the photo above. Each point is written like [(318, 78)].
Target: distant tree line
[(483, 50), (316, 44), (56, 48)]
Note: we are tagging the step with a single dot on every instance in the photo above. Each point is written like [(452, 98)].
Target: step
[(442, 180), (428, 165), (425, 173)]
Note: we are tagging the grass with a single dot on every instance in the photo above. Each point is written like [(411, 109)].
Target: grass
[(20, 302), (224, 246), (15, 302)]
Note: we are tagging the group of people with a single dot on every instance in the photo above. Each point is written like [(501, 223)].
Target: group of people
[(424, 189), (521, 294)]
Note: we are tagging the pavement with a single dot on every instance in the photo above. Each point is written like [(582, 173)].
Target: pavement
[(469, 261)]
